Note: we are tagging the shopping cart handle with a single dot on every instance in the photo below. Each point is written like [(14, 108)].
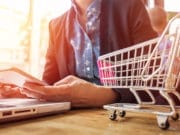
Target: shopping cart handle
[(146, 77)]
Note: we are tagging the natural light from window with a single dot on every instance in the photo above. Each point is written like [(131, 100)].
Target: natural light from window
[(24, 30)]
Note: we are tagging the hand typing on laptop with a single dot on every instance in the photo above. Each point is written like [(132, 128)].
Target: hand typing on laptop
[(10, 91), (79, 92)]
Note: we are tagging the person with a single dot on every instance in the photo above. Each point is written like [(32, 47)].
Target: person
[(158, 18), (87, 30)]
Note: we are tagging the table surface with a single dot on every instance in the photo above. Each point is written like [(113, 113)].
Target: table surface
[(90, 122)]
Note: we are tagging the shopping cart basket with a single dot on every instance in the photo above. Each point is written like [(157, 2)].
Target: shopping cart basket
[(151, 65)]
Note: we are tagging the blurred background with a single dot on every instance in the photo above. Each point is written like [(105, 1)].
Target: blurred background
[(24, 29), (24, 32)]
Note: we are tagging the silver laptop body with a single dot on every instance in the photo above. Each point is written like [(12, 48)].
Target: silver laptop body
[(17, 109)]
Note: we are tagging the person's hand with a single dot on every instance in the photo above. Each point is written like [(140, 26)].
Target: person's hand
[(171, 80), (79, 92), (176, 66), (10, 91)]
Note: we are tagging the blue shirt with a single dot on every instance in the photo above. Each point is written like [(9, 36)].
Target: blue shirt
[(86, 42)]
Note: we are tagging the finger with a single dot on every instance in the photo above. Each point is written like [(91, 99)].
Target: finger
[(176, 65), (33, 87), (6, 91), (67, 80), (47, 90), (7, 87), (31, 94), (13, 92)]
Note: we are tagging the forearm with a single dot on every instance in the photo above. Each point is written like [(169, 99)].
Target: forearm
[(72, 89), (93, 96)]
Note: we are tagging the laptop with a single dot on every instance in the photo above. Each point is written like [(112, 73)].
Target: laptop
[(13, 109)]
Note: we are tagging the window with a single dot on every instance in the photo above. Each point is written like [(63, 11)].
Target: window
[(24, 32)]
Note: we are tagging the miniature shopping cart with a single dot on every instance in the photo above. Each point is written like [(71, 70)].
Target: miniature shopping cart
[(151, 65)]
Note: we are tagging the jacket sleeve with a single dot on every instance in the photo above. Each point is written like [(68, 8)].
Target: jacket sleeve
[(51, 74)]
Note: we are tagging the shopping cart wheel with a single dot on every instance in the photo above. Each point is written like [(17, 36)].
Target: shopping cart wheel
[(175, 117), (164, 125), (163, 122), (113, 115), (122, 113)]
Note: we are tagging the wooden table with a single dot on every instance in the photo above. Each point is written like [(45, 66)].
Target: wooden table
[(90, 122)]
